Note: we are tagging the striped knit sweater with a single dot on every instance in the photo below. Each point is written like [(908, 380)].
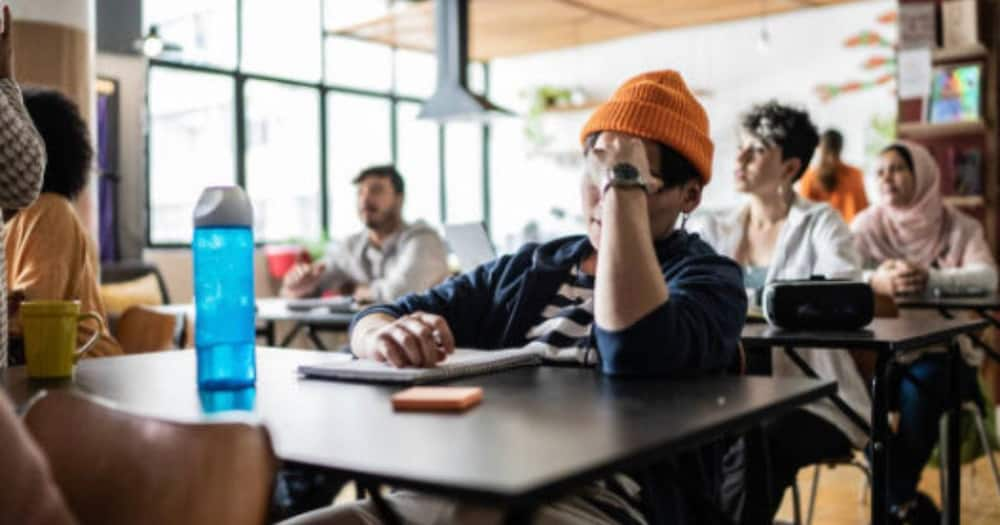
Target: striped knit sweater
[(22, 165)]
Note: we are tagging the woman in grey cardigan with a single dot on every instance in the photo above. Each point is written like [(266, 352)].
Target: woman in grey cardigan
[(22, 156), (778, 235)]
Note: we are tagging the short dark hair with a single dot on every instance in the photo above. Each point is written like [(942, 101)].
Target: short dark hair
[(832, 140), (387, 170), (67, 141), (675, 169), (786, 127)]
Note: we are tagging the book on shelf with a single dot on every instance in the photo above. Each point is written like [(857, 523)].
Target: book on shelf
[(956, 92), (961, 170), (917, 25), (959, 23)]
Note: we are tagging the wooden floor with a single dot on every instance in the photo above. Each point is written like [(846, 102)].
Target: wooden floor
[(838, 498)]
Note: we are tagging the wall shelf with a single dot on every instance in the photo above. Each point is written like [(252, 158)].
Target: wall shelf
[(941, 129), (959, 54), (965, 201)]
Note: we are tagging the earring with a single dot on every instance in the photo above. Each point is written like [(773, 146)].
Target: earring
[(684, 220)]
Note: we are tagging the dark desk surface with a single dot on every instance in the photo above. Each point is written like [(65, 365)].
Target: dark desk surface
[(538, 432), (984, 302), (890, 335)]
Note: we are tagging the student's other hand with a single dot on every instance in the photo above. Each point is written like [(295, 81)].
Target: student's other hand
[(6, 44), (302, 279), (418, 340)]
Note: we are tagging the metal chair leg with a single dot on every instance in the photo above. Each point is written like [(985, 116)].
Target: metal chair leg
[(984, 441), (812, 495), (796, 504)]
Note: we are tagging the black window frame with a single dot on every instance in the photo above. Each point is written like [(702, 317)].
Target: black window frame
[(322, 89)]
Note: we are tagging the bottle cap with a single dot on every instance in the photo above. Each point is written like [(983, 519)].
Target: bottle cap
[(223, 206)]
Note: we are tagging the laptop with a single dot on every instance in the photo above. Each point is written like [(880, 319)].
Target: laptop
[(341, 304), (469, 242)]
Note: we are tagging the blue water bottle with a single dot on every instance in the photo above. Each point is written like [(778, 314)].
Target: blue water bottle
[(223, 289)]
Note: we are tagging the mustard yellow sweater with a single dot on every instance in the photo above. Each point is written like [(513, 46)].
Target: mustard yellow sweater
[(50, 256)]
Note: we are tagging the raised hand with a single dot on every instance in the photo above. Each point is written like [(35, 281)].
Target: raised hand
[(6, 44), (612, 148)]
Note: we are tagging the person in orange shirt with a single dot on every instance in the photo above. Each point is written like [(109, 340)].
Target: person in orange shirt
[(833, 181)]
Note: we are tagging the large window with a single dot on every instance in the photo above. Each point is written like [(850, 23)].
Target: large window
[(273, 100)]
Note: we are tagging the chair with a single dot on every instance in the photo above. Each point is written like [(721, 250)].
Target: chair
[(119, 272), (141, 329), (114, 467)]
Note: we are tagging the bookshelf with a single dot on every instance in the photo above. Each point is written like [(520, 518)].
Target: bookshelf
[(953, 140)]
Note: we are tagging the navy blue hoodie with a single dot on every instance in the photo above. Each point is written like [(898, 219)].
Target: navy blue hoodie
[(695, 332)]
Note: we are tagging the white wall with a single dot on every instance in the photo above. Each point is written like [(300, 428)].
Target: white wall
[(806, 50), (130, 72)]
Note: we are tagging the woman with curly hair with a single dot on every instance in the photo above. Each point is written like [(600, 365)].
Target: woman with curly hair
[(779, 235), (51, 255)]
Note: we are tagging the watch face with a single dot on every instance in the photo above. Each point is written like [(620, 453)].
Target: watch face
[(625, 171)]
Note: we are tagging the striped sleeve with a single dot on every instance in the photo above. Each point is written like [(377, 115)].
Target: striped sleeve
[(22, 152)]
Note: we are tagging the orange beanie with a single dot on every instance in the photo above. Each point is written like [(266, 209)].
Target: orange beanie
[(658, 106)]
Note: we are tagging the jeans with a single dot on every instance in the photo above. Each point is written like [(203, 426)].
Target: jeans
[(921, 396)]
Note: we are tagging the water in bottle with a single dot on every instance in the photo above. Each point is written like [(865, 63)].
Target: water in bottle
[(223, 289)]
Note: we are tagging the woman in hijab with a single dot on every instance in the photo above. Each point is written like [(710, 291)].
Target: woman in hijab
[(915, 244)]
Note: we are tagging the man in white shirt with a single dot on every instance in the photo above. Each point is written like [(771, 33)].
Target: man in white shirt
[(387, 260)]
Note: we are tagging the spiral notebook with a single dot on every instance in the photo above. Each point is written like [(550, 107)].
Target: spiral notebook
[(462, 363)]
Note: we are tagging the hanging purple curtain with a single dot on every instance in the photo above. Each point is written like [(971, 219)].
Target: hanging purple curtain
[(106, 181)]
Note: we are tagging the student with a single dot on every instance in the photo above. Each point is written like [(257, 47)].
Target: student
[(391, 258), (22, 156), (50, 255), (779, 235), (832, 181), (914, 243), (633, 297)]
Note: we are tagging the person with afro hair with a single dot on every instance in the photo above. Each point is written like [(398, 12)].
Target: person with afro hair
[(50, 255)]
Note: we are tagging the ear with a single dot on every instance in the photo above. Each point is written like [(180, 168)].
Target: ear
[(789, 167), (691, 195)]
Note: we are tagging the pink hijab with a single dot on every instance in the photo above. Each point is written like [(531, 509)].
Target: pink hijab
[(925, 231)]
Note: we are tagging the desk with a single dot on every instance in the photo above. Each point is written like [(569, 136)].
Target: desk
[(272, 310), (539, 432), (985, 306), (887, 337)]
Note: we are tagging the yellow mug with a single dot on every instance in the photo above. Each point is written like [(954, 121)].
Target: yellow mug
[(50, 332)]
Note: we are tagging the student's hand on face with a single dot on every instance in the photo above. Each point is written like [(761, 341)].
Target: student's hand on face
[(303, 278), (6, 45), (614, 148), (417, 340)]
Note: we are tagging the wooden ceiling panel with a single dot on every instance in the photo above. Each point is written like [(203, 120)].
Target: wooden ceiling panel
[(501, 28)]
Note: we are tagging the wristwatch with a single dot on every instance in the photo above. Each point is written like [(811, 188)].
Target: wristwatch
[(624, 175)]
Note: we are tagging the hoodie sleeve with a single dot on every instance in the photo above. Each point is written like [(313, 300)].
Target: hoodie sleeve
[(464, 301), (696, 330)]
